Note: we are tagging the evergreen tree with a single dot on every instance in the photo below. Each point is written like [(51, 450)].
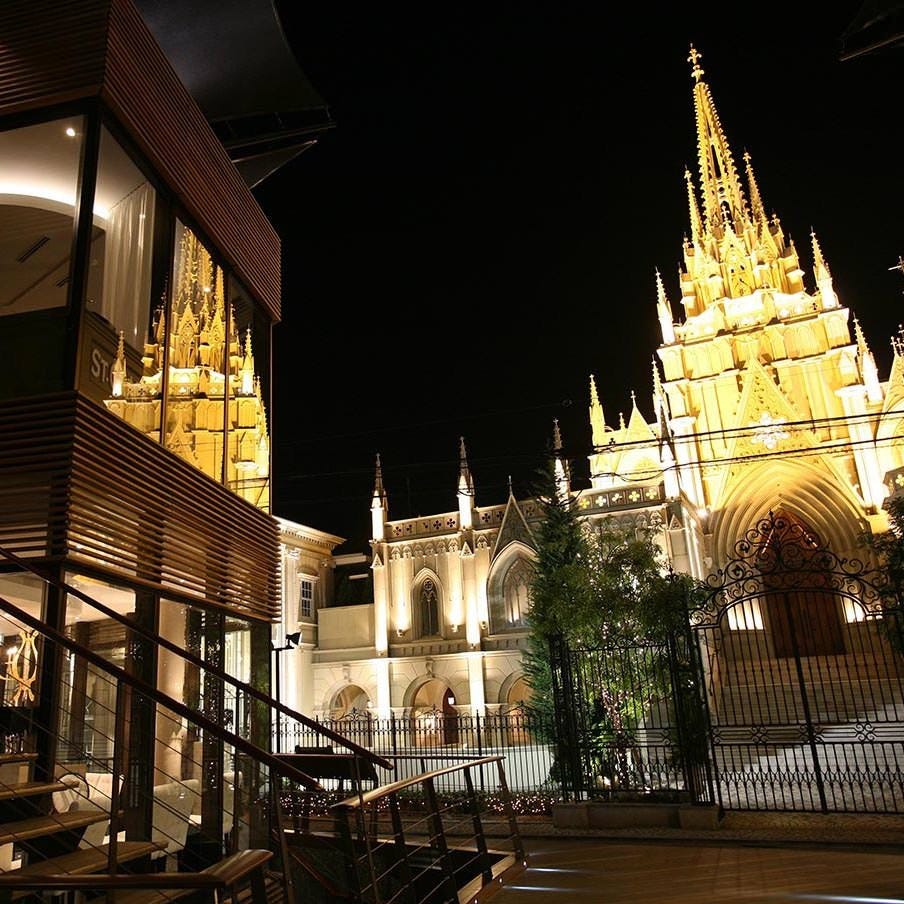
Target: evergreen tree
[(561, 593)]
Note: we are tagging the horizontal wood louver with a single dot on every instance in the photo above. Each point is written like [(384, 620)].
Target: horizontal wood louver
[(53, 51), (35, 457), (120, 503)]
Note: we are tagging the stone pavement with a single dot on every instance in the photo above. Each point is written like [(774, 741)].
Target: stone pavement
[(754, 858), (740, 827)]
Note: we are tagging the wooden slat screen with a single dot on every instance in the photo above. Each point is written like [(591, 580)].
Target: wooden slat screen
[(127, 506), (59, 50), (51, 52)]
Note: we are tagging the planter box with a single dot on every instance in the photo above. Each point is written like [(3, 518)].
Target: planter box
[(618, 815)]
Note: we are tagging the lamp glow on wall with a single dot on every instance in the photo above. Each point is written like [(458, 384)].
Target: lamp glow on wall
[(22, 668)]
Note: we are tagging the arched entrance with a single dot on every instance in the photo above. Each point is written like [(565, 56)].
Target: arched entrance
[(516, 726), (350, 712), (804, 615), (802, 669), (434, 716)]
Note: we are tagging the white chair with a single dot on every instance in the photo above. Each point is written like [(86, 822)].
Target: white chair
[(173, 802)]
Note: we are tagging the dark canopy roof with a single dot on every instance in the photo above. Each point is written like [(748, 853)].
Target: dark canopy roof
[(234, 58), (878, 25)]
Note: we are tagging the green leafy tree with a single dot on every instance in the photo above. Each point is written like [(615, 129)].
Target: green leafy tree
[(607, 585), (889, 549), (561, 593)]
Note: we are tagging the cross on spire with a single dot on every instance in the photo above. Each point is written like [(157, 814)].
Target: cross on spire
[(694, 60)]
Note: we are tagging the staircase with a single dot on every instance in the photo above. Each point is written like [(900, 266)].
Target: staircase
[(111, 787)]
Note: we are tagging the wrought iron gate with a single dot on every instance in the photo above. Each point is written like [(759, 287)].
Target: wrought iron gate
[(802, 664)]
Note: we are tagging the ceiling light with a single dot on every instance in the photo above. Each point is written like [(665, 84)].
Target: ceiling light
[(70, 131)]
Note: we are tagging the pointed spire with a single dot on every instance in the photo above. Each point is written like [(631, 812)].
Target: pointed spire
[(597, 418), (696, 223), (723, 198), (379, 494), (465, 481), (118, 371), (465, 488), (664, 312), (248, 366), (379, 505), (820, 267), (660, 402), (823, 275), (869, 373), (562, 476), (757, 210)]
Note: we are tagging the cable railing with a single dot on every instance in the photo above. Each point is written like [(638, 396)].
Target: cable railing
[(145, 782), (239, 688), (120, 797), (409, 841)]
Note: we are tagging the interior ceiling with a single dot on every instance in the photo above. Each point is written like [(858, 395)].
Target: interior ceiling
[(234, 58)]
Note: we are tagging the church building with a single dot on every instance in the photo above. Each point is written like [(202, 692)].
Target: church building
[(766, 401)]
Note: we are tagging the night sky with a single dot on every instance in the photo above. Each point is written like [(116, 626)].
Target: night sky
[(480, 231)]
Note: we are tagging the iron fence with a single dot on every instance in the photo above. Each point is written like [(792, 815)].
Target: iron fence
[(420, 738)]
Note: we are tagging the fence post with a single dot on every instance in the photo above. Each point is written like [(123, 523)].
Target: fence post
[(480, 751), (681, 727), (568, 755)]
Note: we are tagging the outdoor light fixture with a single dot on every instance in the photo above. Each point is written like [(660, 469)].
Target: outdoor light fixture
[(292, 640), (70, 132)]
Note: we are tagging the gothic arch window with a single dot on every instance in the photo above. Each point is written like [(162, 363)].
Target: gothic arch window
[(428, 608), (509, 595)]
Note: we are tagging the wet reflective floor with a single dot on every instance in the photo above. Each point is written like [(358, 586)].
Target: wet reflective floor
[(583, 869)]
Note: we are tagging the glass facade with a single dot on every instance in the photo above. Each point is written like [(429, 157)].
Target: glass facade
[(169, 340), (39, 179)]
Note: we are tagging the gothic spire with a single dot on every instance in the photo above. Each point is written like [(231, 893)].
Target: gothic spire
[(660, 401), (379, 495), (563, 482), (597, 418), (465, 481), (696, 223), (820, 267), (869, 373), (723, 197), (757, 210), (379, 506), (664, 312)]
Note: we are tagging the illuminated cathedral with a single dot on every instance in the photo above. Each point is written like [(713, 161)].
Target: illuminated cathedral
[(766, 399)]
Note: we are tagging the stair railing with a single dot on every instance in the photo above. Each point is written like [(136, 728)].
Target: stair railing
[(310, 724), (278, 772)]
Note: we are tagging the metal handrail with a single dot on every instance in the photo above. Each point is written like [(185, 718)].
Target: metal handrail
[(215, 670), (147, 690), (367, 797)]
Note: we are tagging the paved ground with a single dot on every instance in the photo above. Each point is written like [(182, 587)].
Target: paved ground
[(691, 872), (750, 858)]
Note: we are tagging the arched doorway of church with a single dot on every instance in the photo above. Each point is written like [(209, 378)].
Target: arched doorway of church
[(434, 716), (515, 718), (803, 613), (350, 711)]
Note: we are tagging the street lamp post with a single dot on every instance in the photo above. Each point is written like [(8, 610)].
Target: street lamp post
[(292, 641)]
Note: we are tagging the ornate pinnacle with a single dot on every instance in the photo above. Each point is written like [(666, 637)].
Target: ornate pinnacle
[(694, 60), (556, 436), (379, 492)]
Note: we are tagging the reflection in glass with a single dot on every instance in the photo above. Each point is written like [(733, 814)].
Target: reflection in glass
[(248, 459), (88, 692), (117, 329), (38, 180)]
